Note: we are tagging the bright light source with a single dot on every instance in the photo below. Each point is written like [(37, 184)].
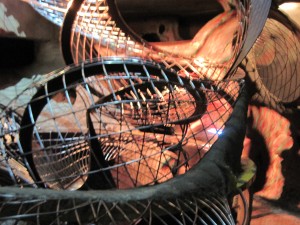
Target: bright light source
[(69, 4), (200, 61), (288, 6), (214, 131)]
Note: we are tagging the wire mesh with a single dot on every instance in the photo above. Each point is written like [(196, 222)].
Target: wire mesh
[(121, 123), (273, 64), (53, 10), (87, 210), (117, 123), (96, 28), (149, 123), (275, 60)]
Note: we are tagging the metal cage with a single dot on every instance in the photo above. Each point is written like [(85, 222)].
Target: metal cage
[(125, 141), (97, 28)]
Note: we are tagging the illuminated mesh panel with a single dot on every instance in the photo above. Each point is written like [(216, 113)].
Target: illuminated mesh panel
[(122, 122), (95, 28), (53, 10)]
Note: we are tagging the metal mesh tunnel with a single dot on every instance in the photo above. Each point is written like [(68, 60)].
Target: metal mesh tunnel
[(94, 29), (152, 134), (133, 110), (122, 139)]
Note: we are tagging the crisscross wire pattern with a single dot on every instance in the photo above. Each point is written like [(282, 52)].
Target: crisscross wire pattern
[(93, 29), (146, 127), (113, 123), (95, 33), (273, 63), (118, 124), (53, 10), (212, 209)]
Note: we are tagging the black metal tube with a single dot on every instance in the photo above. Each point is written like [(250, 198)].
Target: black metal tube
[(168, 7)]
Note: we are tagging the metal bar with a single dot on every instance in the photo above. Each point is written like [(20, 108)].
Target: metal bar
[(168, 7)]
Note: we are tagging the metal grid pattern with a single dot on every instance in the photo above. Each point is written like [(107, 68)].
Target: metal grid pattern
[(122, 123), (53, 10), (94, 29), (58, 209), (150, 124), (98, 30), (273, 64), (117, 124)]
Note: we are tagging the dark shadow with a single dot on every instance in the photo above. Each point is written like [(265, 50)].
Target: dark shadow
[(290, 197), (259, 154), (16, 52), (151, 37)]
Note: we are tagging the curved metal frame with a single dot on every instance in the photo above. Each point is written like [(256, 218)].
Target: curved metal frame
[(75, 74), (268, 91), (185, 66), (215, 174)]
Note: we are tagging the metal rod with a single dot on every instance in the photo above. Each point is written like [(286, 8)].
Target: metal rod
[(168, 7)]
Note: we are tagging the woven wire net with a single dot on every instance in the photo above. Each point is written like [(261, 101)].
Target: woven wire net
[(96, 28), (116, 124)]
